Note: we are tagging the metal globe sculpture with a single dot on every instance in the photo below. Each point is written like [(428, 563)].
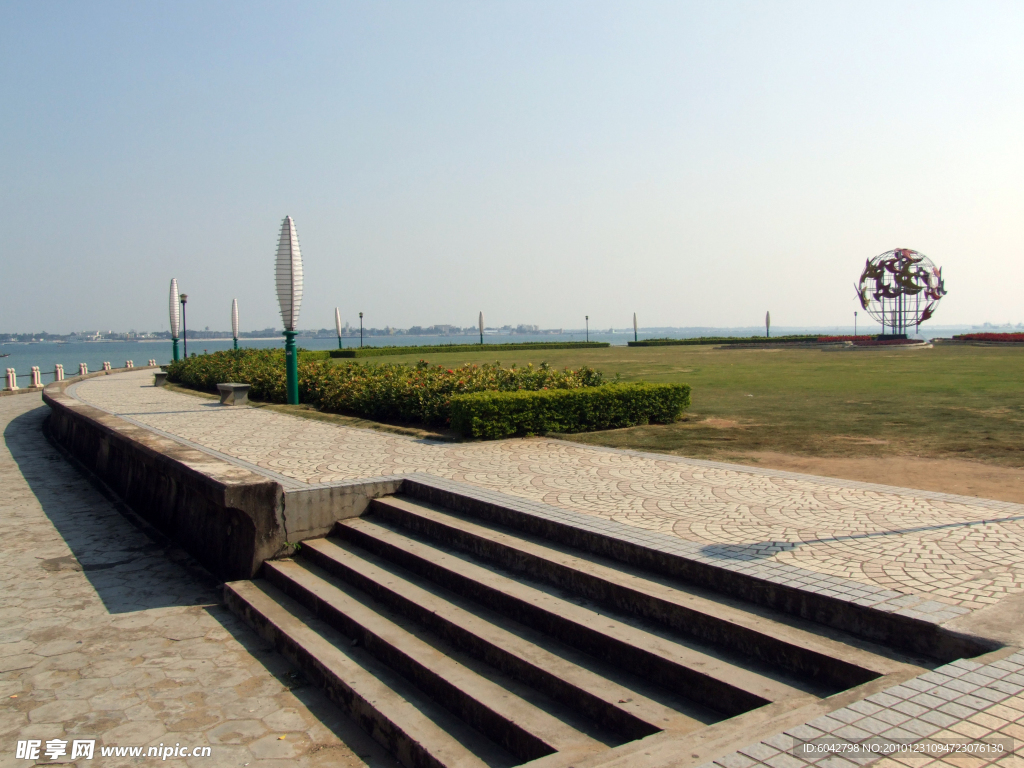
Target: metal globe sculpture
[(900, 288)]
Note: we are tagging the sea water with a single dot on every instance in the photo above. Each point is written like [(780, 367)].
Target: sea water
[(46, 354)]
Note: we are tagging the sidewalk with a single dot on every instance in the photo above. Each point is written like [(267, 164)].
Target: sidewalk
[(160, 661), (957, 551), (109, 634)]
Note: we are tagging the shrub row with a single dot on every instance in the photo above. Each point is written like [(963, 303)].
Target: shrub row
[(1015, 337), (261, 369), (420, 394), (862, 337), (503, 414), (721, 340), (525, 345), (423, 393)]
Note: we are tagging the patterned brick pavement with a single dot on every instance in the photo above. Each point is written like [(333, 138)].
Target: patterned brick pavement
[(954, 550), (962, 715)]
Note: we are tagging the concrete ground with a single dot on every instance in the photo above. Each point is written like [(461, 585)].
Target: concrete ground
[(108, 633), (956, 550), (106, 629)]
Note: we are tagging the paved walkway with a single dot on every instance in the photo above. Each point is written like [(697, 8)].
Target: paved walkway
[(956, 550), (108, 634)]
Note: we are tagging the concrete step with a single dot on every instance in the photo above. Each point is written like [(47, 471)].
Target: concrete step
[(709, 619), (417, 732), (460, 641), (701, 677), (515, 650), (516, 725)]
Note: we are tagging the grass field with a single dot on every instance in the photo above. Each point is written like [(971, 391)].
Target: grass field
[(944, 402)]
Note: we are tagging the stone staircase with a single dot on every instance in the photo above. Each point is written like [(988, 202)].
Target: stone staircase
[(458, 642)]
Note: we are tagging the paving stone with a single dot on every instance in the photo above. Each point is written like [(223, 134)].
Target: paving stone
[(658, 497), (121, 655)]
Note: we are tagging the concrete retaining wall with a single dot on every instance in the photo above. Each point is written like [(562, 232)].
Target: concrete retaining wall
[(228, 518)]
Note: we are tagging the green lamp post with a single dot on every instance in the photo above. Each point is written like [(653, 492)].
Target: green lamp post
[(234, 321), (337, 324), (481, 327), (289, 297), (175, 312)]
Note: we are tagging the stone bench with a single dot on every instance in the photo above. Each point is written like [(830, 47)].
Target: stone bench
[(233, 394), (159, 378)]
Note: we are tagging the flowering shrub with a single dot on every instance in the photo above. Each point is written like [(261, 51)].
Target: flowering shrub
[(825, 339), (420, 393), (990, 337)]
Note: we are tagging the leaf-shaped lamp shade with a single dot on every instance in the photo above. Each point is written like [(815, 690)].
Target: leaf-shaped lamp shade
[(289, 274), (174, 306)]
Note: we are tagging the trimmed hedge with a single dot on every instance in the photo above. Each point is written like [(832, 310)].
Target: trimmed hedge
[(419, 393), (524, 345), (720, 340), (504, 414), (1011, 337)]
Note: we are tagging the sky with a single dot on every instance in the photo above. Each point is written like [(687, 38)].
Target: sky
[(695, 163)]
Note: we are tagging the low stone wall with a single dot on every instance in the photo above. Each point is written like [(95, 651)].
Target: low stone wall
[(228, 518)]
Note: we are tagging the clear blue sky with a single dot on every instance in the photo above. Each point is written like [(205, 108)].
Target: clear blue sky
[(696, 163)]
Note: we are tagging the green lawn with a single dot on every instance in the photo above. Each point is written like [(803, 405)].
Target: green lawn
[(945, 402)]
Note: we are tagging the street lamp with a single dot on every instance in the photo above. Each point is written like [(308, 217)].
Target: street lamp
[(481, 327), (288, 269), (767, 324), (184, 325), (855, 323), (175, 313), (588, 327), (634, 327), (234, 321), (337, 324), (360, 330)]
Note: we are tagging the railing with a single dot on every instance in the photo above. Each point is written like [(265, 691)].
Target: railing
[(36, 374)]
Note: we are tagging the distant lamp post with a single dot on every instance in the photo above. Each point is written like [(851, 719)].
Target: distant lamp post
[(337, 324), (360, 330), (288, 276), (634, 327), (234, 321), (767, 325), (184, 325), (481, 327), (175, 312), (587, 317), (855, 323)]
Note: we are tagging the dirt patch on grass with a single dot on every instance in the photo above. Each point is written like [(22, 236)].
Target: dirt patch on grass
[(966, 478)]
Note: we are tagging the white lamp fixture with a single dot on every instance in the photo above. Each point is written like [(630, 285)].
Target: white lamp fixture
[(175, 308), (234, 321), (289, 274), (175, 311), (481, 327)]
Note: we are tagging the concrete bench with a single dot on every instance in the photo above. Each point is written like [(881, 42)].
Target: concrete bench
[(233, 394), (159, 378)]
